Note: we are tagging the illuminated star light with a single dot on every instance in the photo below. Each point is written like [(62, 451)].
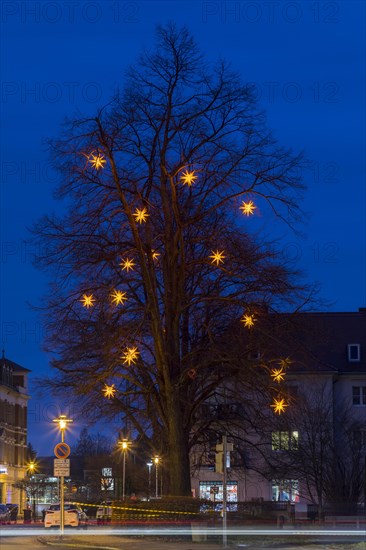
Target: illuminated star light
[(109, 391), (248, 320), (130, 356), (217, 257), (155, 255), (248, 208), (127, 264), (141, 215), (97, 161), (87, 300), (279, 405), (118, 297), (285, 363), (278, 375), (188, 178)]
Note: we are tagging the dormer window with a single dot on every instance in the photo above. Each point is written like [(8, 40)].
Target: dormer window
[(354, 353)]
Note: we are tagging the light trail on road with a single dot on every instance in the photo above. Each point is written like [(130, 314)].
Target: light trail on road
[(178, 532)]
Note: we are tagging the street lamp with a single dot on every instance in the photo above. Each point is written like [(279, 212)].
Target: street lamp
[(149, 465), (62, 422), (31, 469), (156, 461), (124, 446)]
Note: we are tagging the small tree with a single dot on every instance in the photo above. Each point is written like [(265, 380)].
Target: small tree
[(92, 445)]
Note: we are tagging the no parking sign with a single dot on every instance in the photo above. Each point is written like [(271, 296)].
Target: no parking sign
[(62, 450)]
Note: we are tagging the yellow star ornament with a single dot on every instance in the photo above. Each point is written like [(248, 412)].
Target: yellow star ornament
[(248, 320), (140, 215), (97, 161), (130, 356), (248, 208), (217, 257), (278, 375), (118, 297), (188, 178), (279, 405), (127, 264), (285, 363), (109, 391), (87, 300)]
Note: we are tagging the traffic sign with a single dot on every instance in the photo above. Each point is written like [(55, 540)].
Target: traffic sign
[(61, 467), (62, 450)]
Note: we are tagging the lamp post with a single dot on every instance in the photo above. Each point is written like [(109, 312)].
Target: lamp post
[(124, 446), (156, 460), (62, 422), (31, 468), (149, 465)]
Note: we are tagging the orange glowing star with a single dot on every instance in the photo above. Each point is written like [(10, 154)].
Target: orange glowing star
[(97, 161), (279, 405), (130, 356), (278, 375), (109, 391), (248, 320), (285, 363), (248, 208), (140, 215), (127, 264), (118, 297), (155, 255), (87, 300), (217, 257), (188, 178)]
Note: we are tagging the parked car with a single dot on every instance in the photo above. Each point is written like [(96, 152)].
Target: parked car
[(4, 514), (74, 516), (13, 509), (104, 512)]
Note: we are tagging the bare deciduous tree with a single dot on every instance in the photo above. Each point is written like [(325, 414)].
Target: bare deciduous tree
[(154, 184)]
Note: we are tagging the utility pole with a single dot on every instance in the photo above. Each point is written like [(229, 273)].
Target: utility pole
[(224, 493), (222, 452)]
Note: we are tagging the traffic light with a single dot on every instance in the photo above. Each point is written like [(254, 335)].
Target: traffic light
[(219, 462)]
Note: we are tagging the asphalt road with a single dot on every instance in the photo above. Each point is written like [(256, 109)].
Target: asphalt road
[(35, 537)]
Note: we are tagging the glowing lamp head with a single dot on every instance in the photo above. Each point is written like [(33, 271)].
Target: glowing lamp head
[(62, 424)]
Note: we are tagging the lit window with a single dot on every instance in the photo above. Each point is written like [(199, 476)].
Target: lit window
[(359, 395), (285, 490), (354, 353), (285, 441)]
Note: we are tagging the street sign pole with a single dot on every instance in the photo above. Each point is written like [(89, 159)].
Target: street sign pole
[(62, 509), (62, 496), (62, 451)]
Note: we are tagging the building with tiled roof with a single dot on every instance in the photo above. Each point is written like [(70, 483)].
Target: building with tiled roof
[(13, 430)]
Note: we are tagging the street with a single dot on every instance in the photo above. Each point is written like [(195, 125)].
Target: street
[(116, 538)]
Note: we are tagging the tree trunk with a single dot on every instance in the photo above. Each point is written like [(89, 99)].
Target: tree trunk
[(178, 456)]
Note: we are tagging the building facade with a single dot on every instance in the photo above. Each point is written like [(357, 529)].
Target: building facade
[(13, 430), (325, 423)]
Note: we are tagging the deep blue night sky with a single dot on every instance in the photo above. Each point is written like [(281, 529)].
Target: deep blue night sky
[(307, 60)]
